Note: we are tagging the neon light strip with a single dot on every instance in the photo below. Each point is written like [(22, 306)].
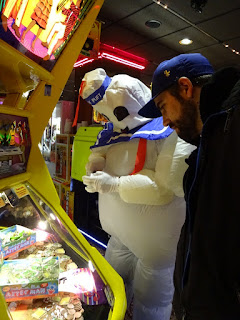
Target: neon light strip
[(93, 239), (108, 56), (82, 62), (122, 61), (79, 62), (104, 46)]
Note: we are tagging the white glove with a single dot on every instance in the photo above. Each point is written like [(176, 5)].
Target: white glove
[(101, 182), (95, 164)]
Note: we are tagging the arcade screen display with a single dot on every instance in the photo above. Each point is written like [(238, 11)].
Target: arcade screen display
[(40, 29), (15, 144)]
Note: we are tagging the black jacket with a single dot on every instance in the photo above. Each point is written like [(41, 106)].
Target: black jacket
[(207, 271)]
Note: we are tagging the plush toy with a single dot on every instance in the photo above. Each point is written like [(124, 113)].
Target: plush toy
[(137, 166)]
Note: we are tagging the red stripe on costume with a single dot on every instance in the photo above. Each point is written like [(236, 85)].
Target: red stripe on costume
[(141, 155)]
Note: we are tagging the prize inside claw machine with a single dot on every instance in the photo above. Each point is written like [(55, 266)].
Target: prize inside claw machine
[(47, 268)]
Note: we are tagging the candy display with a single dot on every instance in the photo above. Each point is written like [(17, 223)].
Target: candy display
[(15, 239), (26, 278), (26, 271), (13, 236)]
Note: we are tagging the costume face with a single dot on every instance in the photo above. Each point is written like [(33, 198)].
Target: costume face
[(123, 98), (182, 115)]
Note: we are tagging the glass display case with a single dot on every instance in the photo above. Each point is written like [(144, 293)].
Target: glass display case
[(44, 272)]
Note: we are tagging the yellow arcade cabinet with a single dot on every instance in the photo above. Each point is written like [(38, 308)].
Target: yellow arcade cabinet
[(48, 270)]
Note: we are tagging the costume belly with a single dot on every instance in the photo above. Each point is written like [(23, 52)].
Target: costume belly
[(151, 232)]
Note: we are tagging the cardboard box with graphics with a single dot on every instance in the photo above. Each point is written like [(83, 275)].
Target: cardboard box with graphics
[(67, 200)]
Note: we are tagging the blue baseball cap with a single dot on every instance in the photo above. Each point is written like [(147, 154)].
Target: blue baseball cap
[(190, 65)]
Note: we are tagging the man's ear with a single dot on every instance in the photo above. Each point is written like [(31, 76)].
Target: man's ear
[(186, 87)]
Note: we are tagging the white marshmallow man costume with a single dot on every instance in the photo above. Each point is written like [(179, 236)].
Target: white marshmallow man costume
[(143, 212)]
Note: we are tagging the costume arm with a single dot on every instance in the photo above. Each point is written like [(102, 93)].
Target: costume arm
[(96, 160), (158, 187), (179, 166)]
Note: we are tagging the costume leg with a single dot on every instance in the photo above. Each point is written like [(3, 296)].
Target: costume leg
[(124, 262), (153, 293)]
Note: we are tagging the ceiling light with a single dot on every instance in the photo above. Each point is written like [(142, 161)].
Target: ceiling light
[(185, 41), (122, 61), (117, 55), (82, 62), (153, 24), (233, 50), (165, 7), (226, 45)]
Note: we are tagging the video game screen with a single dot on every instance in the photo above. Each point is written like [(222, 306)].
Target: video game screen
[(40, 29), (15, 144)]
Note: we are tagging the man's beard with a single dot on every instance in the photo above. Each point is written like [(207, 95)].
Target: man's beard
[(186, 125)]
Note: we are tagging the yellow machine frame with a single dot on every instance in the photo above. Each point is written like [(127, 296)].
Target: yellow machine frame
[(16, 72)]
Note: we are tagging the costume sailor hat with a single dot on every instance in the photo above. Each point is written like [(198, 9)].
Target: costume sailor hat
[(118, 98)]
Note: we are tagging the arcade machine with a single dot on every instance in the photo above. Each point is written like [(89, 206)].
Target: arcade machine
[(48, 270)]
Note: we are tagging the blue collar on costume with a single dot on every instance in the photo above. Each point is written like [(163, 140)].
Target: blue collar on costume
[(153, 130), (97, 95)]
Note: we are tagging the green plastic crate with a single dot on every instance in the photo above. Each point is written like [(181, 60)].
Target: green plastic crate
[(83, 140)]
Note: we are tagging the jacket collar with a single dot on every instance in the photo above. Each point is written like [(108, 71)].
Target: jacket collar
[(221, 92)]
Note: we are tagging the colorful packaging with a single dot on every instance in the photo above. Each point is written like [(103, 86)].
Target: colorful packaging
[(15, 239), (67, 200), (28, 278), (58, 187)]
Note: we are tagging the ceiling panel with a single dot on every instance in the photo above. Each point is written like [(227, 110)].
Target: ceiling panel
[(115, 10), (200, 40), (219, 56), (212, 9), (224, 27), (121, 37), (169, 23), (153, 51)]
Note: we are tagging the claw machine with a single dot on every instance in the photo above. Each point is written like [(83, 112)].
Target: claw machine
[(48, 270)]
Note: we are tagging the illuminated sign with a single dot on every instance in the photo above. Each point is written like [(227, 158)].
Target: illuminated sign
[(40, 29)]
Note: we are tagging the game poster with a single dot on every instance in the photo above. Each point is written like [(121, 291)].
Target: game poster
[(15, 145), (41, 28)]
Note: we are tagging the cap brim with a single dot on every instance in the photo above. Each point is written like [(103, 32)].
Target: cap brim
[(150, 110)]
